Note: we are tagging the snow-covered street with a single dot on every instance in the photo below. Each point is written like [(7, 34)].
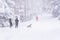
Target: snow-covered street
[(36, 19), (43, 29)]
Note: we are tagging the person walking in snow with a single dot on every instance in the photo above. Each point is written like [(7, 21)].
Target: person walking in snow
[(10, 22), (36, 18), (16, 22)]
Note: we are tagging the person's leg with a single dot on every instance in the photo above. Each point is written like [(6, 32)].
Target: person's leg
[(10, 24), (16, 25)]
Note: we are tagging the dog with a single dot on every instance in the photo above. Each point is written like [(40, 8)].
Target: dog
[(29, 26)]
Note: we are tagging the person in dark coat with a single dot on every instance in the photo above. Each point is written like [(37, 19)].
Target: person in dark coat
[(16, 22), (10, 22)]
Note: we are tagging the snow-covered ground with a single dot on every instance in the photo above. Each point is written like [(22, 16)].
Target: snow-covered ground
[(46, 28), (43, 29)]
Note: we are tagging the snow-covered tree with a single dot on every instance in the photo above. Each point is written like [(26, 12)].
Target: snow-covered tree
[(6, 10), (56, 9)]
